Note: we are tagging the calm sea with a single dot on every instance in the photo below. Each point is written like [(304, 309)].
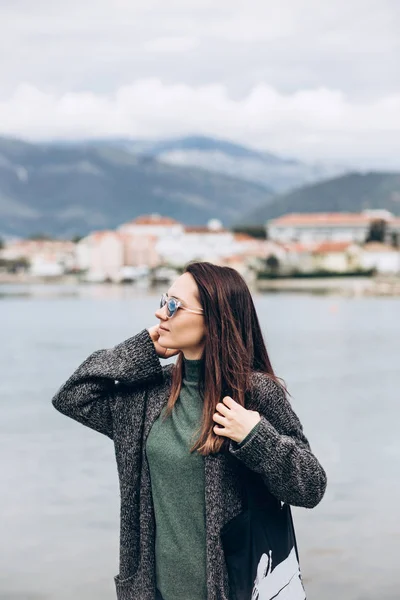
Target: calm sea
[(59, 501)]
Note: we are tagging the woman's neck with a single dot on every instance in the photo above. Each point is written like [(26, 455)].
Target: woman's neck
[(192, 369)]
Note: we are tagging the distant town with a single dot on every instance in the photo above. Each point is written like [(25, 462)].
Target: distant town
[(154, 248)]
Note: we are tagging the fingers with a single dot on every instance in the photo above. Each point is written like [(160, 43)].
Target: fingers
[(169, 352), (223, 409), (219, 418), (220, 430), (154, 333)]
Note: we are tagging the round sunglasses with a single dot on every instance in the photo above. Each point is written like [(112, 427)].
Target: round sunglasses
[(173, 305)]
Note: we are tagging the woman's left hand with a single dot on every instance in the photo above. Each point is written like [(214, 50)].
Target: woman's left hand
[(235, 421)]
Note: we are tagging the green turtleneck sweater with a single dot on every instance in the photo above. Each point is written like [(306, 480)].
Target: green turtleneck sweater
[(177, 484), (178, 490)]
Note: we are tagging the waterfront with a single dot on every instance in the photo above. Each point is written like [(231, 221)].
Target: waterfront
[(60, 499), (378, 285)]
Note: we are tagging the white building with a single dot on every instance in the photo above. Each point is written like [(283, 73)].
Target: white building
[(176, 244), (298, 258), (256, 247), (336, 227), (196, 243), (385, 259), (336, 257)]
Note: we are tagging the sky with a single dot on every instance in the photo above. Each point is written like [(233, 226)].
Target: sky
[(308, 79)]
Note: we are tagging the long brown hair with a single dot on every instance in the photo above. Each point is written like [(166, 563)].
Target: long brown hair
[(234, 347)]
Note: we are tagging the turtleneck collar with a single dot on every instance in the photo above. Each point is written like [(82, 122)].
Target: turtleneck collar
[(192, 370)]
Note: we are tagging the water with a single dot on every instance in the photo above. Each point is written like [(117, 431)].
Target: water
[(59, 497)]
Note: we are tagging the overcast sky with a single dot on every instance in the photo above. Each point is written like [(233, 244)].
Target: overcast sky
[(310, 79)]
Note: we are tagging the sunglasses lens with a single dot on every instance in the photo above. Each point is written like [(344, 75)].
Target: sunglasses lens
[(171, 307)]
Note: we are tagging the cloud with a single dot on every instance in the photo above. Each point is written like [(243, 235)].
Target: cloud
[(310, 124), (271, 23), (170, 44), (351, 45), (300, 77)]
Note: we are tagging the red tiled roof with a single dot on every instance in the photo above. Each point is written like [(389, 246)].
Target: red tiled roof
[(378, 247), (323, 219), (194, 229), (100, 234), (235, 258), (154, 219), (245, 237), (202, 229), (298, 246), (329, 247)]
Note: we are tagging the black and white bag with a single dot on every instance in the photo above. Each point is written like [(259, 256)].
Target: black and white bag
[(260, 548)]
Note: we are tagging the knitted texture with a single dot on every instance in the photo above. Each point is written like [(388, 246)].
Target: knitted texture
[(120, 392)]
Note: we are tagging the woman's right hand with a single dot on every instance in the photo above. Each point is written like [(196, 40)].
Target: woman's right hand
[(161, 351)]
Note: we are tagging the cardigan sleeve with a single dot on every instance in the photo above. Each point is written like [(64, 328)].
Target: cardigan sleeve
[(279, 450), (87, 395), (249, 435)]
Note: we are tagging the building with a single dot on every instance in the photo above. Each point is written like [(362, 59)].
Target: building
[(153, 225), (117, 255), (240, 263), (336, 257), (256, 247), (298, 258), (101, 255), (207, 242), (151, 240), (140, 250), (385, 259), (45, 258), (321, 227), (156, 241), (394, 230)]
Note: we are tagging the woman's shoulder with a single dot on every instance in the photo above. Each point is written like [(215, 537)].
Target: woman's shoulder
[(267, 386), (270, 397)]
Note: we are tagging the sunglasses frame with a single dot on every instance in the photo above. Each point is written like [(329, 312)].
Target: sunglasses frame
[(164, 302)]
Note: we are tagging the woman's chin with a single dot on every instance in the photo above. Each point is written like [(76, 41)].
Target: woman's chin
[(163, 341)]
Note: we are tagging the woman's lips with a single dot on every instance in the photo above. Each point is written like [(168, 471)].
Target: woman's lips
[(162, 329)]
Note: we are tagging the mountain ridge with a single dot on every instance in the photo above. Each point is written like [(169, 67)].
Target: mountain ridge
[(352, 192), (226, 157), (63, 189)]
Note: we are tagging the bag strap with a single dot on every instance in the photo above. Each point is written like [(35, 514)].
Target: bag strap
[(294, 533), (258, 496)]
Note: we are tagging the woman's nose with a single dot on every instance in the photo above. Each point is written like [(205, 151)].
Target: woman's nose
[(161, 313)]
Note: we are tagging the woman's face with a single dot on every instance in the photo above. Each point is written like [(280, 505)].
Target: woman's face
[(185, 330)]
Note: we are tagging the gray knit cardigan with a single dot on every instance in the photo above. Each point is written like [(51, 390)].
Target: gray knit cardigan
[(120, 392)]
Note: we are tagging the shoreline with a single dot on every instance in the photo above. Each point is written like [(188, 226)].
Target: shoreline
[(345, 286)]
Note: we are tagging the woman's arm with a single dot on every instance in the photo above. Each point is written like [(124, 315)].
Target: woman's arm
[(86, 395), (279, 451)]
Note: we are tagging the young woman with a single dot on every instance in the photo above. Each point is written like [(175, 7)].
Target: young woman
[(185, 433)]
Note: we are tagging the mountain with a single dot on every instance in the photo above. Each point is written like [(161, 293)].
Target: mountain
[(221, 156), (71, 189), (350, 193)]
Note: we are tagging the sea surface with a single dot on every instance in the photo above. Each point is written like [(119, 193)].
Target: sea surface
[(59, 500)]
